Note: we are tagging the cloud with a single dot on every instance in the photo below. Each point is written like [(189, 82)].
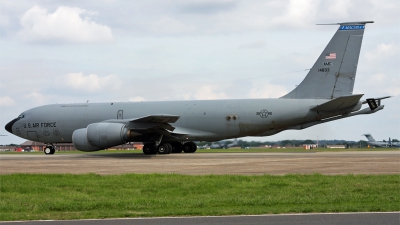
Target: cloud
[(36, 97), (64, 25), (205, 93), (340, 8), (380, 76), (210, 7), (379, 80), (91, 82), (266, 90), (6, 101), (382, 50), (137, 99), (298, 13), (255, 44), (4, 21), (166, 25)]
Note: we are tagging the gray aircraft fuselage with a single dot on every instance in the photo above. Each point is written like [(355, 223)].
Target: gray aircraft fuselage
[(204, 120)]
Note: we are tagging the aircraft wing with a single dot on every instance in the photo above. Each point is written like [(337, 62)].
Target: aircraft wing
[(160, 124), (156, 119), (149, 124), (338, 103)]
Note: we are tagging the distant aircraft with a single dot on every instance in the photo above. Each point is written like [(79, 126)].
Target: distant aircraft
[(233, 144), (384, 144), (224, 145), (216, 146), (203, 146), (325, 95), (394, 144)]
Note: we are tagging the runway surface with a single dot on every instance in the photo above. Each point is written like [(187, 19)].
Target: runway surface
[(294, 219), (349, 162)]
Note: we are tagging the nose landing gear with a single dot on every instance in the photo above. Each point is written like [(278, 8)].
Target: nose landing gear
[(49, 149)]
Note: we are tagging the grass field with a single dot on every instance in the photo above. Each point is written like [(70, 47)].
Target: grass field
[(67, 196)]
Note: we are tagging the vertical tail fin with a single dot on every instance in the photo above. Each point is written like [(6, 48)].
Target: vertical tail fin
[(369, 137), (334, 72)]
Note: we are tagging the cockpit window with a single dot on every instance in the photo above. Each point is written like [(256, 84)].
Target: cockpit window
[(21, 116)]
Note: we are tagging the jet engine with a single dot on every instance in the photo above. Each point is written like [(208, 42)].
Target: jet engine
[(98, 136)]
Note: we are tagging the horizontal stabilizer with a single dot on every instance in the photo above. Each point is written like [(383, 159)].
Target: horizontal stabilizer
[(342, 102), (157, 119)]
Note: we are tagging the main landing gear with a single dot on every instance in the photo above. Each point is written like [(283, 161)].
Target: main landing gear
[(49, 149), (169, 147)]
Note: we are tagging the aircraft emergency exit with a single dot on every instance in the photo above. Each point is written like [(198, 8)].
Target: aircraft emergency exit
[(325, 95)]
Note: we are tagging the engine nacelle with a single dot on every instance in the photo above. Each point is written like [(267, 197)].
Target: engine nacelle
[(81, 143), (98, 136)]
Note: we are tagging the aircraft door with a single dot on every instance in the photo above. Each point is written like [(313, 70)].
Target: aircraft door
[(120, 115), (32, 135)]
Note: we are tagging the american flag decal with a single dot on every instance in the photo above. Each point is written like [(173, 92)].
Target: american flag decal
[(330, 56)]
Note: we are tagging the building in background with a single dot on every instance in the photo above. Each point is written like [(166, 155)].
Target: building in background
[(33, 146)]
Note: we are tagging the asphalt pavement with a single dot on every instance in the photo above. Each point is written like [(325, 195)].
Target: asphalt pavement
[(391, 218)]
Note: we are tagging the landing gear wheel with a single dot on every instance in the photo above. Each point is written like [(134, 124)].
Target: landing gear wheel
[(194, 146), (169, 147), (49, 150), (176, 147), (154, 151), (148, 149), (164, 148), (189, 147)]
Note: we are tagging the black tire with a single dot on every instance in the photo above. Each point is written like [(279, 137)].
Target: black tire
[(194, 147), (188, 147), (176, 147), (154, 150), (164, 148), (169, 147), (148, 149), (49, 150)]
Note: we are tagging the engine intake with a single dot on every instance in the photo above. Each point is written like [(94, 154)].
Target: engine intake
[(98, 136)]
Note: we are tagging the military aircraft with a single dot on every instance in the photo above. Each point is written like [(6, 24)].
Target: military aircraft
[(224, 145), (203, 146), (325, 95), (221, 145), (216, 146), (384, 144), (394, 144), (233, 144)]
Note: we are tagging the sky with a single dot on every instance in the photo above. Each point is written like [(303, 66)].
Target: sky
[(154, 50)]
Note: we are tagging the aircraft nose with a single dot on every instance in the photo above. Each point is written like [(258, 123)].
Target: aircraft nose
[(10, 124)]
